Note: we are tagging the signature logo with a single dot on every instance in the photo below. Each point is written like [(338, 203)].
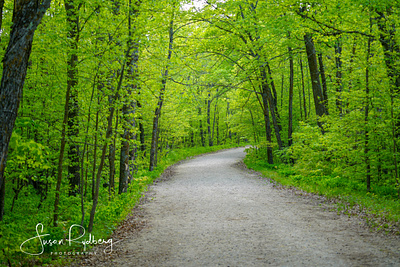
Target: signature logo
[(65, 242)]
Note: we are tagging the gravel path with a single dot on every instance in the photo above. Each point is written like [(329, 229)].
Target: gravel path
[(213, 213)]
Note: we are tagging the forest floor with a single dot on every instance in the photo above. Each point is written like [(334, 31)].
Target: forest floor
[(212, 211)]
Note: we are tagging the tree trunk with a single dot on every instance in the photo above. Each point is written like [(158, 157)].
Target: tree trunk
[(99, 171), (215, 117), (304, 90), (104, 149), (95, 152), (228, 131), (339, 86), (271, 103), (366, 114), (157, 113), (254, 126), (61, 158), (128, 110), (72, 9), (217, 125), (275, 98), (210, 140), (267, 128), (291, 85), (27, 16), (315, 81), (203, 142), (391, 51), (111, 163), (323, 80), (391, 48), (141, 127)]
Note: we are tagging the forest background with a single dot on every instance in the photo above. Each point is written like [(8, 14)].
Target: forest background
[(98, 97)]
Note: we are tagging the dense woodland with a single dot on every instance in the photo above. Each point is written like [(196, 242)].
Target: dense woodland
[(95, 94)]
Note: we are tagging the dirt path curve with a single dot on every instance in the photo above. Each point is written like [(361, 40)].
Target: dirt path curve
[(213, 213)]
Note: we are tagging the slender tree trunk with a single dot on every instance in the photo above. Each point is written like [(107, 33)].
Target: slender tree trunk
[(267, 91), (157, 113), (111, 164), (366, 114), (267, 128), (210, 139), (323, 80), (203, 142), (339, 86), (141, 128), (191, 135), (86, 152), (304, 90), (128, 110), (104, 149), (72, 9), (254, 126), (61, 158), (215, 117), (217, 124), (228, 131), (157, 147), (275, 98), (391, 49), (291, 85), (315, 81), (27, 16), (99, 171), (282, 90), (82, 183), (95, 152)]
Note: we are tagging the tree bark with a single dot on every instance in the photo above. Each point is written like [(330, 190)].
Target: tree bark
[(315, 81), (391, 51), (267, 122), (95, 151), (157, 113), (104, 148), (323, 80), (304, 90), (210, 138), (366, 114), (111, 164), (72, 8), (291, 85), (128, 110), (61, 158), (339, 86), (267, 91), (203, 142), (391, 48), (27, 16), (275, 98)]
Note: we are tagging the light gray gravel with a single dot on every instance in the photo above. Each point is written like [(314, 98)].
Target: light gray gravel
[(213, 213)]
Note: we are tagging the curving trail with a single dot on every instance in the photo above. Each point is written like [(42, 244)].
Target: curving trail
[(213, 213)]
